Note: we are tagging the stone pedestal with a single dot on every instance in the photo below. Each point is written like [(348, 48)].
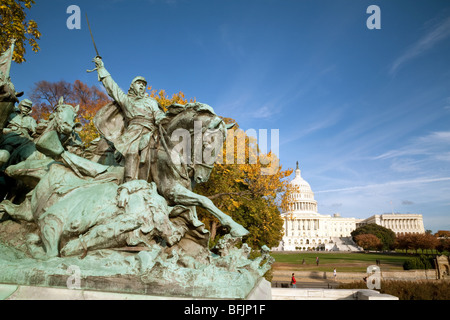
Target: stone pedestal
[(110, 271), (262, 291)]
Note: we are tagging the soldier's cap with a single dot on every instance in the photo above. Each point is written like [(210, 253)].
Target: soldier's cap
[(26, 103), (139, 78)]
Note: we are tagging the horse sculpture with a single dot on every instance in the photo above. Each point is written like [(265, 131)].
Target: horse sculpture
[(29, 162), (173, 176), (76, 213)]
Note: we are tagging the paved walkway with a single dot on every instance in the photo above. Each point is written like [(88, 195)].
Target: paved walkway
[(325, 284)]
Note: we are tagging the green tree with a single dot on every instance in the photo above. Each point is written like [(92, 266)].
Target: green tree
[(14, 25), (386, 236)]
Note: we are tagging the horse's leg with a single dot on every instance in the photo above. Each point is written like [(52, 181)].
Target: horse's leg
[(183, 196), (51, 229)]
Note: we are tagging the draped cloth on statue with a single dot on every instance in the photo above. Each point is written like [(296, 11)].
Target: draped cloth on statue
[(110, 122)]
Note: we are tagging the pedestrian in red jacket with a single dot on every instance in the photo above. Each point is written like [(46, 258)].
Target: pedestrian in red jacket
[(293, 282)]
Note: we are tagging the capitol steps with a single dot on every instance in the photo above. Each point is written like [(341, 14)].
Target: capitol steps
[(345, 244)]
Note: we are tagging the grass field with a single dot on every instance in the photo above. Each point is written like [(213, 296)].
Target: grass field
[(345, 262)]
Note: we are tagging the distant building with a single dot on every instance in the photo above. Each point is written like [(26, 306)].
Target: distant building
[(305, 229), (400, 223)]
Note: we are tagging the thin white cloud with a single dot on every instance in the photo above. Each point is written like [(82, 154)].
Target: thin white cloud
[(437, 34), (265, 112), (437, 137), (432, 145), (406, 165), (386, 185), (410, 151), (331, 119)]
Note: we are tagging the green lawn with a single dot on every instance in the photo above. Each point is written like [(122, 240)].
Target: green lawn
[(349, 262)]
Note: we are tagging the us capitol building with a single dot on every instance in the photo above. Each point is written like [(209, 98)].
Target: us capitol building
[(306, 229)]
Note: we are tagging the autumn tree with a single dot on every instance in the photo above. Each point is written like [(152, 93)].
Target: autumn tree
[(14, 25), (416, 241), (404, 242), (427, 241), (242, 189), (368, 242), (45, 96), (387, 236), (164, 100), (247, 189)]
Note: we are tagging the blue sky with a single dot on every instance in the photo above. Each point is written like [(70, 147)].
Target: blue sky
[(365, 112)]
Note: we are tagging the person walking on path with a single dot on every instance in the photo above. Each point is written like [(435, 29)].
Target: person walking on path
[(317, 260), (334, 274), (293, 282)]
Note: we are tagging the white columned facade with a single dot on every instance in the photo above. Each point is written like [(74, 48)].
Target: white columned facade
[(400, 223), (306, 229)]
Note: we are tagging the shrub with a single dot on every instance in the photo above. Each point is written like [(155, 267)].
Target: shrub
[(421, 262)]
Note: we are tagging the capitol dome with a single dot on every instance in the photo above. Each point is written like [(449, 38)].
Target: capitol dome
[(303, 198)]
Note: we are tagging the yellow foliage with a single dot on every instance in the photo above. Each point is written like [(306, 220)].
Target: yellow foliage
[(15, 26), (164, 100)]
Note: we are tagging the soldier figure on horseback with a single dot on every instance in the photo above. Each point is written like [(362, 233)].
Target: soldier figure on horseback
[(130, 122), (20, 129)]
